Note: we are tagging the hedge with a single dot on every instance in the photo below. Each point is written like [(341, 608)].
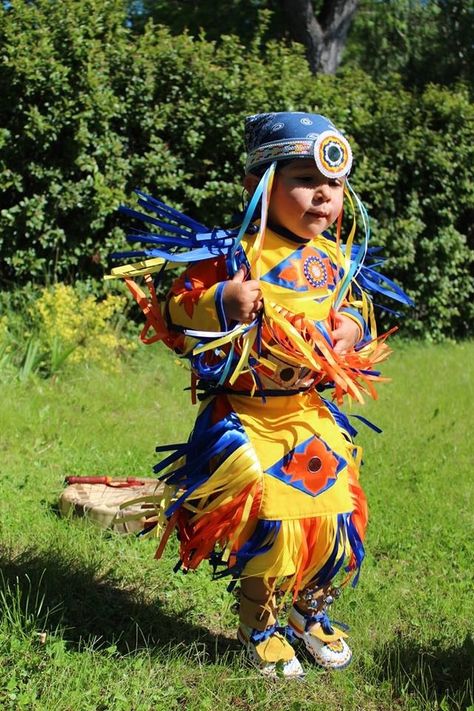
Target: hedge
[(92, 110)]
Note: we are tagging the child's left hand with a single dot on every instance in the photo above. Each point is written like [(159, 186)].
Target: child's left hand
[(345, 335)]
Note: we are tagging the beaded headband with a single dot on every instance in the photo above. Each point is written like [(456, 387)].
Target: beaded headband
[(287, 135)]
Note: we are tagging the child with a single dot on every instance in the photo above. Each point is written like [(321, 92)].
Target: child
[(271, 315)]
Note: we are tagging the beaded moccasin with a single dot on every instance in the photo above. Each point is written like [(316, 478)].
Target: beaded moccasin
[(271, 652), (325, 643)]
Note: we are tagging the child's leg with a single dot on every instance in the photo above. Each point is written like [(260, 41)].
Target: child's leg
[(310, 623), (257, 604), (312, 599), (258, 631)]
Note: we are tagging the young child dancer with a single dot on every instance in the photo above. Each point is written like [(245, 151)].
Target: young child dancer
[(271, 315)]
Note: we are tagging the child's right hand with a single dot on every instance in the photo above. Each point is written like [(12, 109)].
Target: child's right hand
[(242, 299)]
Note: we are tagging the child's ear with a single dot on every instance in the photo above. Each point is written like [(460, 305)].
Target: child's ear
[(250, 183)]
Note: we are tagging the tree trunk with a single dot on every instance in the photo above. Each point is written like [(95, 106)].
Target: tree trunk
[(323, 36)]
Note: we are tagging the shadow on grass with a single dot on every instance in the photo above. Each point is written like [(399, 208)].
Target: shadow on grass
[(91, 610), (439, 677)]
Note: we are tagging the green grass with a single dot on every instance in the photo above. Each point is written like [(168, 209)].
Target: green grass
[(124, 632)]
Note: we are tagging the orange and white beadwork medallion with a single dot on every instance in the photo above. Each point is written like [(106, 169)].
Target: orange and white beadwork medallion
[(332, 154), (315, 271)]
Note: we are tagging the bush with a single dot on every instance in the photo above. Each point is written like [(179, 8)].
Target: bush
[(92, 110), (59, 326)]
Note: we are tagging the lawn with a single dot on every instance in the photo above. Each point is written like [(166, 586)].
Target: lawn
[(124, 632)]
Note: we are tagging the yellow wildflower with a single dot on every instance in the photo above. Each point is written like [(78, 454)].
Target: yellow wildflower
[(84, 324)]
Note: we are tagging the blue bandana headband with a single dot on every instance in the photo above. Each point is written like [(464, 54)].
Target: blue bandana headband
[(289, 135)]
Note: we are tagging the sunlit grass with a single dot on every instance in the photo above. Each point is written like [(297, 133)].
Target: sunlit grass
[(124, 632)]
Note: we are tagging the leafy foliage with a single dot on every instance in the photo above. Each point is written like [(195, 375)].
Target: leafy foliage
[(41, 332), (236, 17), (94, 108), (382, 38), (423, 41)]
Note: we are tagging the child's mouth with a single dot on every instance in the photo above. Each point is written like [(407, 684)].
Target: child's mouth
[(317, 213)]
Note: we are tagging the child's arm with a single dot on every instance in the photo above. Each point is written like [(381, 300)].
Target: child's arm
[(195, 298)]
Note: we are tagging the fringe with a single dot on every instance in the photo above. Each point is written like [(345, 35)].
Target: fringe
[(216, 513)]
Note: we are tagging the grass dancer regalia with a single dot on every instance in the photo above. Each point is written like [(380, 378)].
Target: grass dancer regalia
[(267, 485)]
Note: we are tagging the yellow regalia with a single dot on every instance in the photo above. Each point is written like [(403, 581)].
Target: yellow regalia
[(267, 485)]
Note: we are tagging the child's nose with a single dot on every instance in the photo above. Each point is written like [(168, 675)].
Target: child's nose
[(321, 192)]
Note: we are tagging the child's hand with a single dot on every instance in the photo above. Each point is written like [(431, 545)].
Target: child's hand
[(345, 335), (242, 299)]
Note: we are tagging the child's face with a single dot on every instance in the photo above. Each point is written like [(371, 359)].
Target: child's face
[(303, 200)]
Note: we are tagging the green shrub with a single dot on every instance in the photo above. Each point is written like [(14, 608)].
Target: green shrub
[(92, 110), (43, 331)]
